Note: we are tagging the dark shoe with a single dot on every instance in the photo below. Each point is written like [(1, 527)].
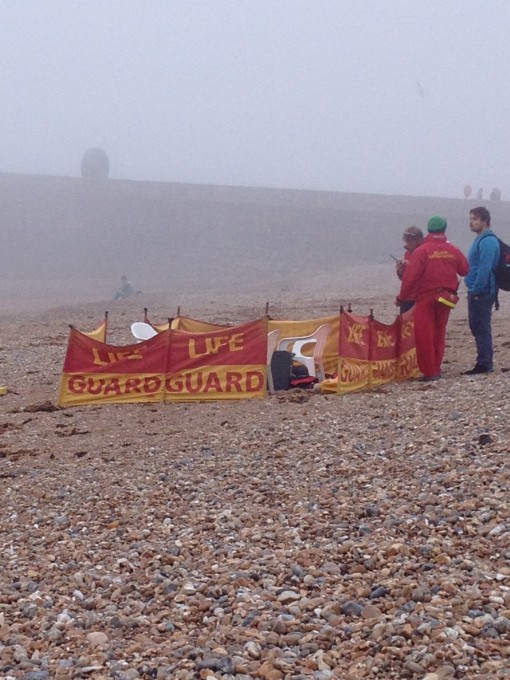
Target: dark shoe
[(430, 378), (477, 370)]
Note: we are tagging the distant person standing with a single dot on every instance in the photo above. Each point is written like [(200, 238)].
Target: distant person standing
[(467, 191), (412, 237), (479, 195), (430, 278), (126, 289), (483, 260)]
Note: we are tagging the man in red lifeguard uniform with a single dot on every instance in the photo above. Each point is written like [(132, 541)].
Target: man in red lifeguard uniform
[(430, 276)]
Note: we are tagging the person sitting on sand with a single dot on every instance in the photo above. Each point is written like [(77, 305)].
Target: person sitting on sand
[(126, 289)]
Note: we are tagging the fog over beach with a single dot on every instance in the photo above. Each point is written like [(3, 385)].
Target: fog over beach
[(243, 138), (75, 238), (233, 158), (390, 98)]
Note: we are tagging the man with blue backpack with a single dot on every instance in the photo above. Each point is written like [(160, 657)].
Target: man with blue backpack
[(483, 258)]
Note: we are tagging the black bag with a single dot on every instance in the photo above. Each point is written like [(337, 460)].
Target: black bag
[(502, 272), (281, 363), (298, 371)]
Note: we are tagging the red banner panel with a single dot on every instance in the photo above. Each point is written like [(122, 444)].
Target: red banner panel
[(372, 353), (353, 353), (95, 372), (407, 364), (230, 363), (84, 354), (383, 352), (172, 366)]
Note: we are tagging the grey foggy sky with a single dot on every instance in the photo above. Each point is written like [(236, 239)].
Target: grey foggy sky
[(381, 96)]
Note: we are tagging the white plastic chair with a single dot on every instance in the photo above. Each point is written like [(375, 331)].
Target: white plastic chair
[(272, 341), (314, 362), (143, 331)]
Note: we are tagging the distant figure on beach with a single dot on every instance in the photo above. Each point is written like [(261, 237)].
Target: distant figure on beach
[(412, 237), (467, 191), (431, 280), (126, 289), (479, 194), (495, 194)]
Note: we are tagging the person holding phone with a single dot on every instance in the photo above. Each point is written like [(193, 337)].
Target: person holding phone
[(412, 237)]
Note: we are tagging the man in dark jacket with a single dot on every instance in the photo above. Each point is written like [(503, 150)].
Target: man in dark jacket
[(431, 279), (483, 260)]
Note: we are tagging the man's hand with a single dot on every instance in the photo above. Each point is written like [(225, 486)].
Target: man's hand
[(400, 268)]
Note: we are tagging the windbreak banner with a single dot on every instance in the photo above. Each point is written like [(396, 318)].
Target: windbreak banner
[(287, 328), (201, 361), (371, 353), (353, 353), (171, 366), (230, 363), (407, 363), (98, 373), (383, 352)]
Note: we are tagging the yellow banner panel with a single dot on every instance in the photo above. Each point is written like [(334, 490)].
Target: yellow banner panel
[(185, 323), (102, 388), (408, 365), (383, 371), (209, 383), (293, 329), (99, 333), (353, 375)]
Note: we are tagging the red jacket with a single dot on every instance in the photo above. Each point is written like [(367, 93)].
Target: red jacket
[(434, 265), (401, 264)]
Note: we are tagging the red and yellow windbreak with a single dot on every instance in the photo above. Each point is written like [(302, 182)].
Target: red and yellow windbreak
[(171, 366), (229, 363), (287, 328), (407, 363), (353, 353), (371, 353), (200, 361)]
